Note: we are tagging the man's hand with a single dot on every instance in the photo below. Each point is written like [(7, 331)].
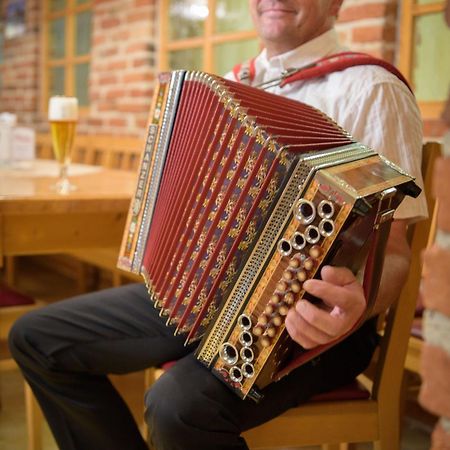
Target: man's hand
[(311, 325)]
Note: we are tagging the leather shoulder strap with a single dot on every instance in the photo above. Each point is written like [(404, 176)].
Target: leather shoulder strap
[(338, 62)]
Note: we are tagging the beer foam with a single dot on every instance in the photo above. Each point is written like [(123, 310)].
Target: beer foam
[(63, 108)]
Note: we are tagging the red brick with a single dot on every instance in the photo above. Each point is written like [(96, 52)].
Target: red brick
[(132, 108), (115, 93), (145, 93), (368, 34), (358, 12), (132, 77), (117, 122), (137, 47), (110, 23)]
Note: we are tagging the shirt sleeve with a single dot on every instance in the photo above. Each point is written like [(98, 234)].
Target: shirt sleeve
[(385, 117)]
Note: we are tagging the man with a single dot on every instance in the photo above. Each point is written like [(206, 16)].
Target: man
[(66, 349)]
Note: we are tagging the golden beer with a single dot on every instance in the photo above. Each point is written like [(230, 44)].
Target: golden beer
[(63, 133), (63, 117)]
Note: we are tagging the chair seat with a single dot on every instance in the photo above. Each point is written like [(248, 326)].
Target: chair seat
[(10, 297), (351, 391)]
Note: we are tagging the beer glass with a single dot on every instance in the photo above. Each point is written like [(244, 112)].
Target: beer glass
[(63, 117)]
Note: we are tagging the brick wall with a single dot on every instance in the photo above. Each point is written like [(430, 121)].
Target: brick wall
[(20, 68), (123, 66), (369, 26), (124, 57)]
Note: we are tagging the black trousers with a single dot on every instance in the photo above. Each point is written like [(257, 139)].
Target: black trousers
[(65, 351)]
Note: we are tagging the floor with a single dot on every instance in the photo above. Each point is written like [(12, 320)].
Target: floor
[(13, 436)]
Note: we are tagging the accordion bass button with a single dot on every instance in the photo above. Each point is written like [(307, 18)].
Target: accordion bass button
[(271, 331), (269, 309), (228, 353), (244, 322), (325, 209), (305, 211), (265, 341)]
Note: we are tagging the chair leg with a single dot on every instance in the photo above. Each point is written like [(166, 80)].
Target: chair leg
[(34, 420)]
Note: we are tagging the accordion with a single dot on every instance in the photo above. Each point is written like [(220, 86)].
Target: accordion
[(241, 196)]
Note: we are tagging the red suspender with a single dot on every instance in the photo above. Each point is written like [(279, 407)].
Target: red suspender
[(245, 72), (340, 61)]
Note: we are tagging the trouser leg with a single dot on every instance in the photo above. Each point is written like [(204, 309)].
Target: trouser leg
[(190, 409), (65, 351)]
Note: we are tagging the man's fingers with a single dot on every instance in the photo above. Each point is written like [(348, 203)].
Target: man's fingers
[(303, 332), (320, 319), (338, 287), (340, 276)]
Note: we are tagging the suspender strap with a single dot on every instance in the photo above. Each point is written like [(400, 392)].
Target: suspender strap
[(245, 72), (338, 62)]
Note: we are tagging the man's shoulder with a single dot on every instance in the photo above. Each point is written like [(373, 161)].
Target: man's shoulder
[(367, 77)]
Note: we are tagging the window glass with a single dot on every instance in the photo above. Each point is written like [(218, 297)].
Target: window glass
[(186, 18), (57, 38), (82, 83), (426, 2), (228, 54), (83, 33), (57, 81), (232, 15), (56, 5), (431, 58), (191, 59)]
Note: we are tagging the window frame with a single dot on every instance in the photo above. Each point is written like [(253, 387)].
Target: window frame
[(410, 10), (206, 42), (70, 60)]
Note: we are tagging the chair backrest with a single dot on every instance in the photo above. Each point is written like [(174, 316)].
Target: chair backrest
[(113, 152), (389, 368)]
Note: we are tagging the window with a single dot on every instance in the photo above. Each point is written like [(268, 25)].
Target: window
[(208, 35), (425, 53), (67, 45)]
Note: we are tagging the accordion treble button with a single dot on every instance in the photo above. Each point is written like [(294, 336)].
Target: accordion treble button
[(308, 264), (296, 286)]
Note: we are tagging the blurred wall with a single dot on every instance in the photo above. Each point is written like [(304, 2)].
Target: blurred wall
[(124, 60)]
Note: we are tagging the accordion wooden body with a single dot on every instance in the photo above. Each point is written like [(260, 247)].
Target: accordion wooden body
[(242, 195)]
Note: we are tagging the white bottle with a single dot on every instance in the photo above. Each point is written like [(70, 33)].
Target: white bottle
[(7, 123)]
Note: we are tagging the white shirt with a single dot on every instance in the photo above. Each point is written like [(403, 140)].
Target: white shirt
[(368, 101)]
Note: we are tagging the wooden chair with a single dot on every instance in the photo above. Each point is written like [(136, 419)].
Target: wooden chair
[(377, 419), (331, 423)]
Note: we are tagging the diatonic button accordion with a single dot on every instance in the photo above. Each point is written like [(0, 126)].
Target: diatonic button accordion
[(241, 196)]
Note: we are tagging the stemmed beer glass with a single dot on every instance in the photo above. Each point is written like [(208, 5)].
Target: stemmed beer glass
[(63, 118)]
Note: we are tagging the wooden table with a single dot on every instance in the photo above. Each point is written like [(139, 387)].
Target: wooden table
[(36, 220)]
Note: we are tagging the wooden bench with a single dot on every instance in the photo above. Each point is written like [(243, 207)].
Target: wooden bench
[(113, 152)]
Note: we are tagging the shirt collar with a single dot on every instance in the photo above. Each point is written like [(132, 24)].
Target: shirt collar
[(323, 45)]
